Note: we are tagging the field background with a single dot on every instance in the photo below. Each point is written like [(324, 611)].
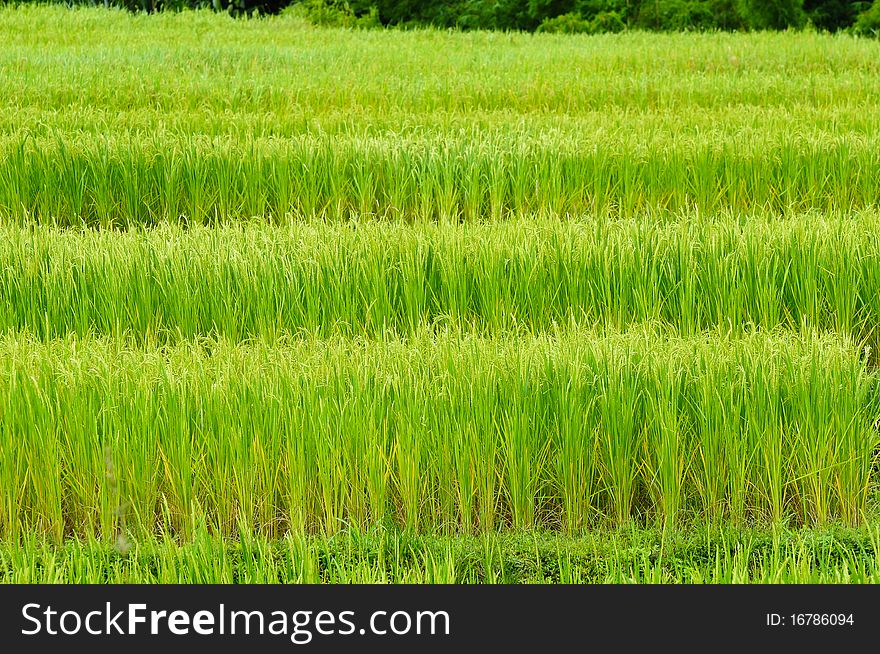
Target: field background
[(287, 303)]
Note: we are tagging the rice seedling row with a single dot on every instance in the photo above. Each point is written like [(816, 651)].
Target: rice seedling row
[(73, 179), (447, 433), (253, 280)]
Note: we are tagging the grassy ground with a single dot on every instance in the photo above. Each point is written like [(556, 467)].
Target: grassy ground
[(382, 556), (280, 303), (387, 556)]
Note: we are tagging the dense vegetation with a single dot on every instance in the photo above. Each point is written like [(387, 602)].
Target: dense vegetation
[(570, 16), (283, 302)]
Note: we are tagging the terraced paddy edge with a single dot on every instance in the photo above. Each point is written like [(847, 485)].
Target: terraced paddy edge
[(448, 433), (632, 555), (253, 280)]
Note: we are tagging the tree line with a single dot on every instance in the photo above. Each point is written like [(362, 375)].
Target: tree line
[(568, 16)]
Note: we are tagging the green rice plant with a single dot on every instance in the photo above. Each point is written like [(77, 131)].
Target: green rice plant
[(621, 423), (407, 125), (767, 440), (123, 180), (575, 430), (665, 451), (254, 280), (309, 435), (720, 461), (378, 71), (410, 476)]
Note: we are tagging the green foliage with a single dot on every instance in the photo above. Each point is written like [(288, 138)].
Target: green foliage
[(543, 9), (286, 144), (626, 9), (333, 13), (675, 15), (678, 15), (573, 23), (369, 278), (390, 12), (832, 15), (140, 180), (566, 24), (773, 14), (478, 15), (233, 7), (727, 15), (567, 16), (868, 23), (607, 21)]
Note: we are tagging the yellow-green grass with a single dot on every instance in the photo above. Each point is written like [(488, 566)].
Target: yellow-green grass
[(440, 432)]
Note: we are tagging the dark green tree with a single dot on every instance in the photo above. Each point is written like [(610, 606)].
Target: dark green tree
[(773, 14), (832, 15)]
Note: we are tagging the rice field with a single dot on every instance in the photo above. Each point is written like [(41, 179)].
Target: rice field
[(295, 304)]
